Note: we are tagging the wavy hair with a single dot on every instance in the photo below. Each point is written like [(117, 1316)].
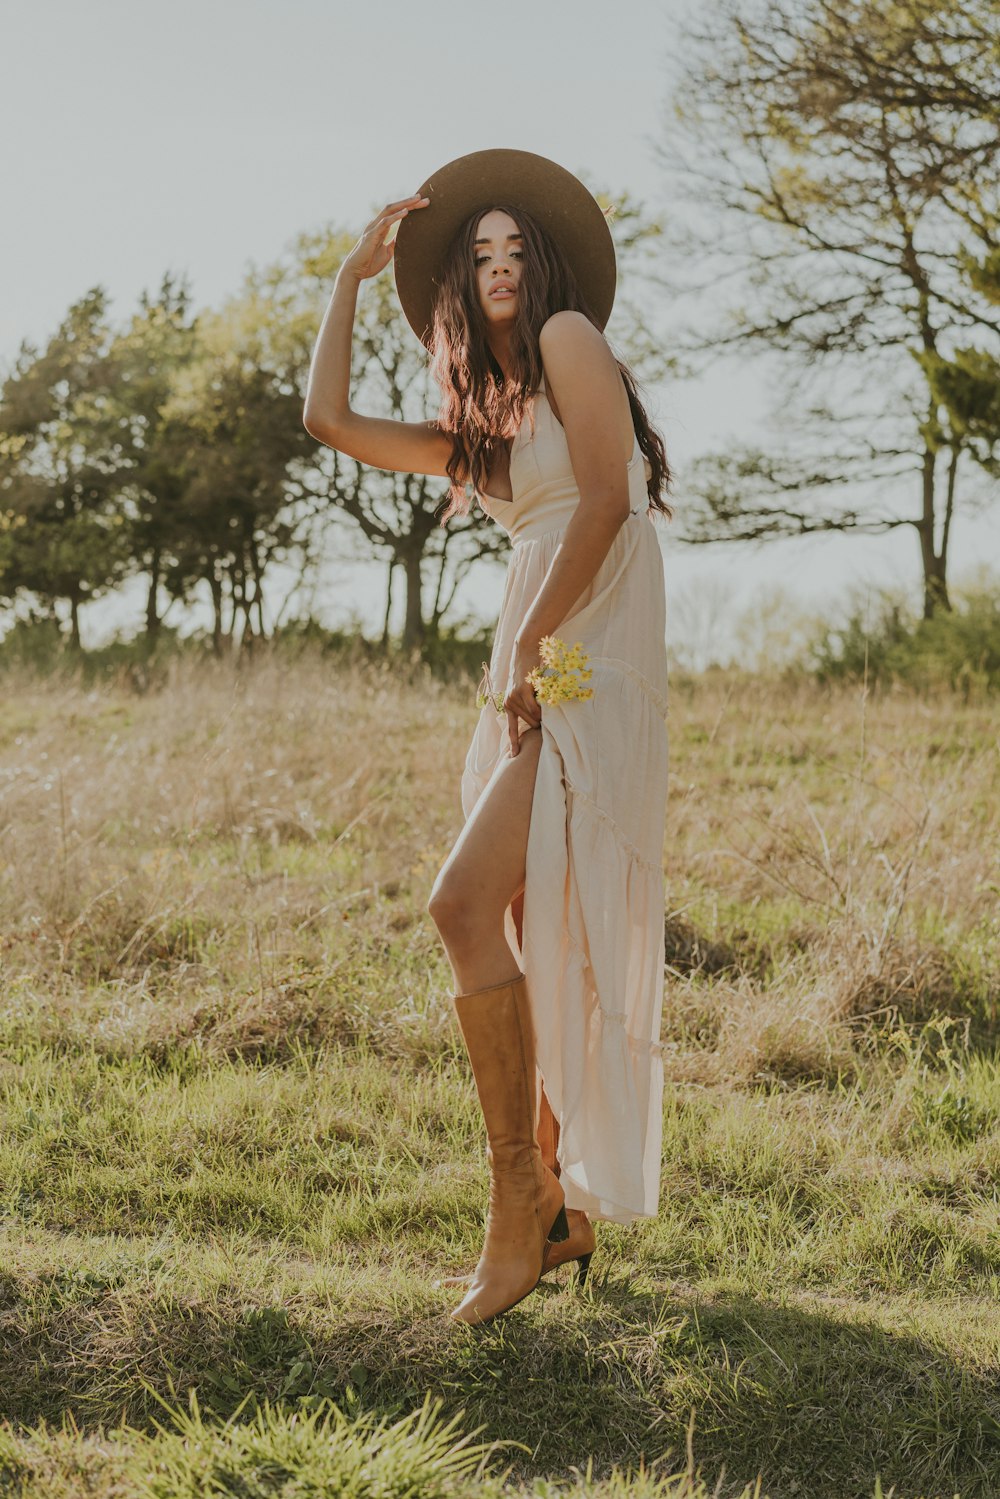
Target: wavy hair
[(479, 408)]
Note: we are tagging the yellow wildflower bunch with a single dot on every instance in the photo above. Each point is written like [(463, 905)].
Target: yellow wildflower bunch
[(560, 677), (562, 673)]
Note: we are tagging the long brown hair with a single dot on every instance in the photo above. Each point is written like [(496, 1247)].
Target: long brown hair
[(479, 408)]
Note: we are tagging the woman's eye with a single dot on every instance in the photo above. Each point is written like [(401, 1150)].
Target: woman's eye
[(481, 258)]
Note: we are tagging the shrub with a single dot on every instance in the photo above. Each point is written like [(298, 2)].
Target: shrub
[(887, 641)]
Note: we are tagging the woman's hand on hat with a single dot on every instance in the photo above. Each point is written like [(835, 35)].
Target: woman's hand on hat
[(372, 253)]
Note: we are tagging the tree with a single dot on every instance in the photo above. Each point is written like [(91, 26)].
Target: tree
[(156, 346), (396, 515), (234, 411), (63, 535), (838, 155), (968, 383)]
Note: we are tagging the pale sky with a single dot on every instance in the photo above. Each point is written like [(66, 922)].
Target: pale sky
[(201, 136)]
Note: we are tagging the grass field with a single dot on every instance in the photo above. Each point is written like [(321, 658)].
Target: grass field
[(240, 1137)]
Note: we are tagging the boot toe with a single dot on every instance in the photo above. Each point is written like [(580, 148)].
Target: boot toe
[(483, 1304)]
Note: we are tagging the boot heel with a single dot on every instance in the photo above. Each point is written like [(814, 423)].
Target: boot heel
[(582, 1266), (559, 1232)]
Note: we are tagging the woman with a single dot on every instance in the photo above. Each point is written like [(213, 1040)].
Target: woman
[(550, 904)]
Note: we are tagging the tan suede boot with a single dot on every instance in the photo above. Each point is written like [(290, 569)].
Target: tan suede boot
[(526, 1201), (582, 1241)]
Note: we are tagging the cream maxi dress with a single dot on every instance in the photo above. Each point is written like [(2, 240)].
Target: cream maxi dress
[(593, 950)]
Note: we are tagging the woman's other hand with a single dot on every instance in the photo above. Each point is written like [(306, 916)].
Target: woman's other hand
[(371, 253), (520, 700)]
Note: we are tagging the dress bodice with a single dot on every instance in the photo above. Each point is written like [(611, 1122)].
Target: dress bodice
[(543, 484)]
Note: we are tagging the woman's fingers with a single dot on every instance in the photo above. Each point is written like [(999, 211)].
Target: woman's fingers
[(515, 743), (518, 705), (393, 208), (395, 219), (528, 703), (403, 202), (375, 247), (525, 702)]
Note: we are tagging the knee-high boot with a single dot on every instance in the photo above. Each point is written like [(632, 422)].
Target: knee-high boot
[(526, 1201)]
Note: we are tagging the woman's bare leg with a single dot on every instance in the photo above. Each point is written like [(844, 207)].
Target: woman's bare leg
[(485, 871)]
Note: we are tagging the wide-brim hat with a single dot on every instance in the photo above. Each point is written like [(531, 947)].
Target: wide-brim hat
[(557, 198)]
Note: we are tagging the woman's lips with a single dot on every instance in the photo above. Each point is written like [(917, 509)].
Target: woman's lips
[(501, 293)]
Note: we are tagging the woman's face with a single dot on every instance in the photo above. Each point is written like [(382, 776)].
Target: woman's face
[(498, 256)]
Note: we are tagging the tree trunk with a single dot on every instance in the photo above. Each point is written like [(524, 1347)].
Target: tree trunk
[(936, 589), (413, 626), (215, 584), (152, 617), (388, 605), (934, 563), (74, 614), (257, 602), (434, 623)]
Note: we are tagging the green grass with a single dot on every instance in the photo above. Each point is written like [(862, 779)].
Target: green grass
[(240, 1138)]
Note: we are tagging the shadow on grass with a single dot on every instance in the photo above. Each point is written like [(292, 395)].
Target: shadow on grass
[(816, 1403)]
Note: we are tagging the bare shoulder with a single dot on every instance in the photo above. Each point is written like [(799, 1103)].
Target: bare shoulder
[(567, 335), (583, 376)]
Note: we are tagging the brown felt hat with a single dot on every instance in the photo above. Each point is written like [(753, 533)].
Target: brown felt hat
[(558, 199)]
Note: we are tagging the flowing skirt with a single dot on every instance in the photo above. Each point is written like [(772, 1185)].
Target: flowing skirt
[(593, 937)]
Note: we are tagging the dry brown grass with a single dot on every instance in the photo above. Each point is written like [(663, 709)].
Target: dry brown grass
[(233, 869), (244, 856)]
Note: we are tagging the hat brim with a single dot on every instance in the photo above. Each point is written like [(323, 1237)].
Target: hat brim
[(557, 198)]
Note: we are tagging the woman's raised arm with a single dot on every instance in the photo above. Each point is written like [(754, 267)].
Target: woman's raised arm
[(413, 447)]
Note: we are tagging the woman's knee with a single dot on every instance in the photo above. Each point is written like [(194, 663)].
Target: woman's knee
[(462, 907), (451, 910)]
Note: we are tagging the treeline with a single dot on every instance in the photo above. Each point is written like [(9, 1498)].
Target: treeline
[(872, 639), (839, 163), (172, 449), (158, 449)]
